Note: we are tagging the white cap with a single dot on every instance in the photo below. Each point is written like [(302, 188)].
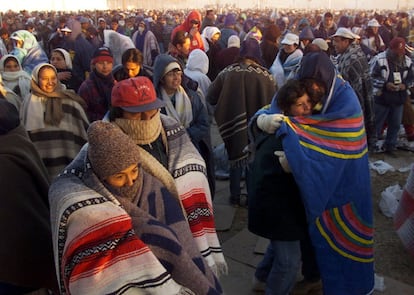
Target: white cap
[(344, 33), (373, 23), (322, 44), (290, 39)]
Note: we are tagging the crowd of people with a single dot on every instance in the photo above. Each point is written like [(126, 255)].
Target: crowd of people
[(110, 112)]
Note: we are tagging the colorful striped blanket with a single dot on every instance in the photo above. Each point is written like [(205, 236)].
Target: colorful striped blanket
[(328, 157), (188, 169), (96, 248), (404, 216)]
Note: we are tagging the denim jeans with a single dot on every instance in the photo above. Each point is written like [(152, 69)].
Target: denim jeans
[(279, 267), (392, 115)]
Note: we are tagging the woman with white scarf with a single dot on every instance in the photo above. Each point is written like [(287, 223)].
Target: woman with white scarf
[(54, 118), (186, 106), (14, 77), (287, 60)]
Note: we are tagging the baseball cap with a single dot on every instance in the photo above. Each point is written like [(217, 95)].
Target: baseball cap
[(135, 95), (290, 39), (344, 33)]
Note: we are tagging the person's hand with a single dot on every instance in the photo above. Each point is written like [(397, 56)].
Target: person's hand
[(269, 123), (394, 87), (283, 161), (193, 31), (63, 76)]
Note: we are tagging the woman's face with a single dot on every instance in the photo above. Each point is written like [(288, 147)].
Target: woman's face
[(58, 60), (47, 79), (302, 106), (125, 177), (172, 80), (289, 48), (11, 65), (104, 67), (132, 68), (215, 37)]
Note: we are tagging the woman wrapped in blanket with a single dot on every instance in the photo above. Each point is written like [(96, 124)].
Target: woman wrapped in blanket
[(116, 227), (276, 209), (327, 154)]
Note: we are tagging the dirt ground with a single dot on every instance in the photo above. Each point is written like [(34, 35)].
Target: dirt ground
[(391, 259)]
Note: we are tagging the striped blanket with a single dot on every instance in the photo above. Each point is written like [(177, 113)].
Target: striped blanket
[(404, 216), (96, 248), (328, 157), (189, 172)]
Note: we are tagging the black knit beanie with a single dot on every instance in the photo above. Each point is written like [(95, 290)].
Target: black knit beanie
[(110, 150)]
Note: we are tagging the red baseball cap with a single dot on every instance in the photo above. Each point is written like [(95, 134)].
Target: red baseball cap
[(135, 95)]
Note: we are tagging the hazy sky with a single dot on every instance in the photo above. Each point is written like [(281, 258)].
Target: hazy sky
[(311, 4)]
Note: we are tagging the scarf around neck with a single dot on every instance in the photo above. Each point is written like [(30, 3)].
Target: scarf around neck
[(182, 109), (53, 112), (142, 131), (103, 85)]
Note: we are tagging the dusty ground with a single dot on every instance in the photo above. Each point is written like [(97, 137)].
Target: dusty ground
[(391, 259)]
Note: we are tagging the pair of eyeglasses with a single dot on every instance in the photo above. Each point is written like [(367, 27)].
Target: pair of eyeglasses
[(195, 22)]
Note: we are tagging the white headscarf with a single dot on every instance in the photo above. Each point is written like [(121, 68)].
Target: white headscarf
[(66, 56), (12, 79)]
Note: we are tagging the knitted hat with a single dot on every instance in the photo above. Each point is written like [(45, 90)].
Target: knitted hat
[(135, 95), (397, 45), (234, 41), (110, 150), (9, 116), (102, 54), (306, 34), (170, 67)]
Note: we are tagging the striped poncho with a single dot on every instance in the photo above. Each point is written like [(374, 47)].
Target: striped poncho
[(328, 157)]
